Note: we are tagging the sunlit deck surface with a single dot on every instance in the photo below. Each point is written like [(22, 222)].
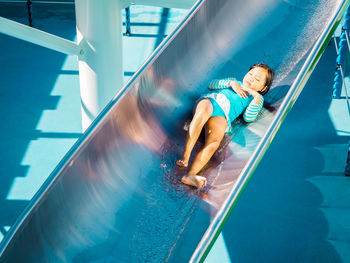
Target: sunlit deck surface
[(297, 205)]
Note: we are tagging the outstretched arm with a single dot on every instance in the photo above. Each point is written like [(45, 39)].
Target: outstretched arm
[(216, 84), (228, 83)]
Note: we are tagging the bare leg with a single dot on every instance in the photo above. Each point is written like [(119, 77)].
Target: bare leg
[(215, 131), (203, 112)]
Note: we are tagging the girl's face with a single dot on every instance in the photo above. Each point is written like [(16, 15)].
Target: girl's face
[(255, 79)]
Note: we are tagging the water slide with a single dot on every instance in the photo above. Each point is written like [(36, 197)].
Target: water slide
[(116, 195)]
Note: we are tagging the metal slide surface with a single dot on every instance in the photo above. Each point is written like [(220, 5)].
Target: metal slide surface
[(116, 196)]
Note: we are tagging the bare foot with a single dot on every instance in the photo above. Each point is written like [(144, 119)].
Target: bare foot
[(194, 180), (182, 163)]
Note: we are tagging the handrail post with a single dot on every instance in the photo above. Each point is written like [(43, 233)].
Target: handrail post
[(347, 167), (127, 21), (339, 78), (29, 7)]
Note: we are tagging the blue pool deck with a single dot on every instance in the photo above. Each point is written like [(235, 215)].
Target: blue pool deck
[(295, 209)]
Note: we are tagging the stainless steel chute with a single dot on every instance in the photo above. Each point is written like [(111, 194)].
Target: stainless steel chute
[(116, 196)]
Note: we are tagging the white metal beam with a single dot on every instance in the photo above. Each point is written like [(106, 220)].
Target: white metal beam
[(38, 37), (183, 4)]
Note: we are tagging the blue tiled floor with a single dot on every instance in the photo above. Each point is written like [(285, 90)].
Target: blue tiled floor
[(296, 208), (36, 130)]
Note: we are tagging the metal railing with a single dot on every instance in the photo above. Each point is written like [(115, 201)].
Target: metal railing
[(342, 52), (340, 69), (339, 78)]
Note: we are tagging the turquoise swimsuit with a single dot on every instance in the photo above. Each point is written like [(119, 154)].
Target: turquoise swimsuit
[(229, 104)]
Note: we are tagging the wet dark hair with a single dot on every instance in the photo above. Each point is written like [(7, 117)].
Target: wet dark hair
[(269, 77)]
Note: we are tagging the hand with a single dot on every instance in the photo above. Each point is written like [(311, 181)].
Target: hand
[(250, 91), (238, 89)]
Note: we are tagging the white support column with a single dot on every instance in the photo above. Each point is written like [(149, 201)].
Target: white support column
[(99, 33)]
